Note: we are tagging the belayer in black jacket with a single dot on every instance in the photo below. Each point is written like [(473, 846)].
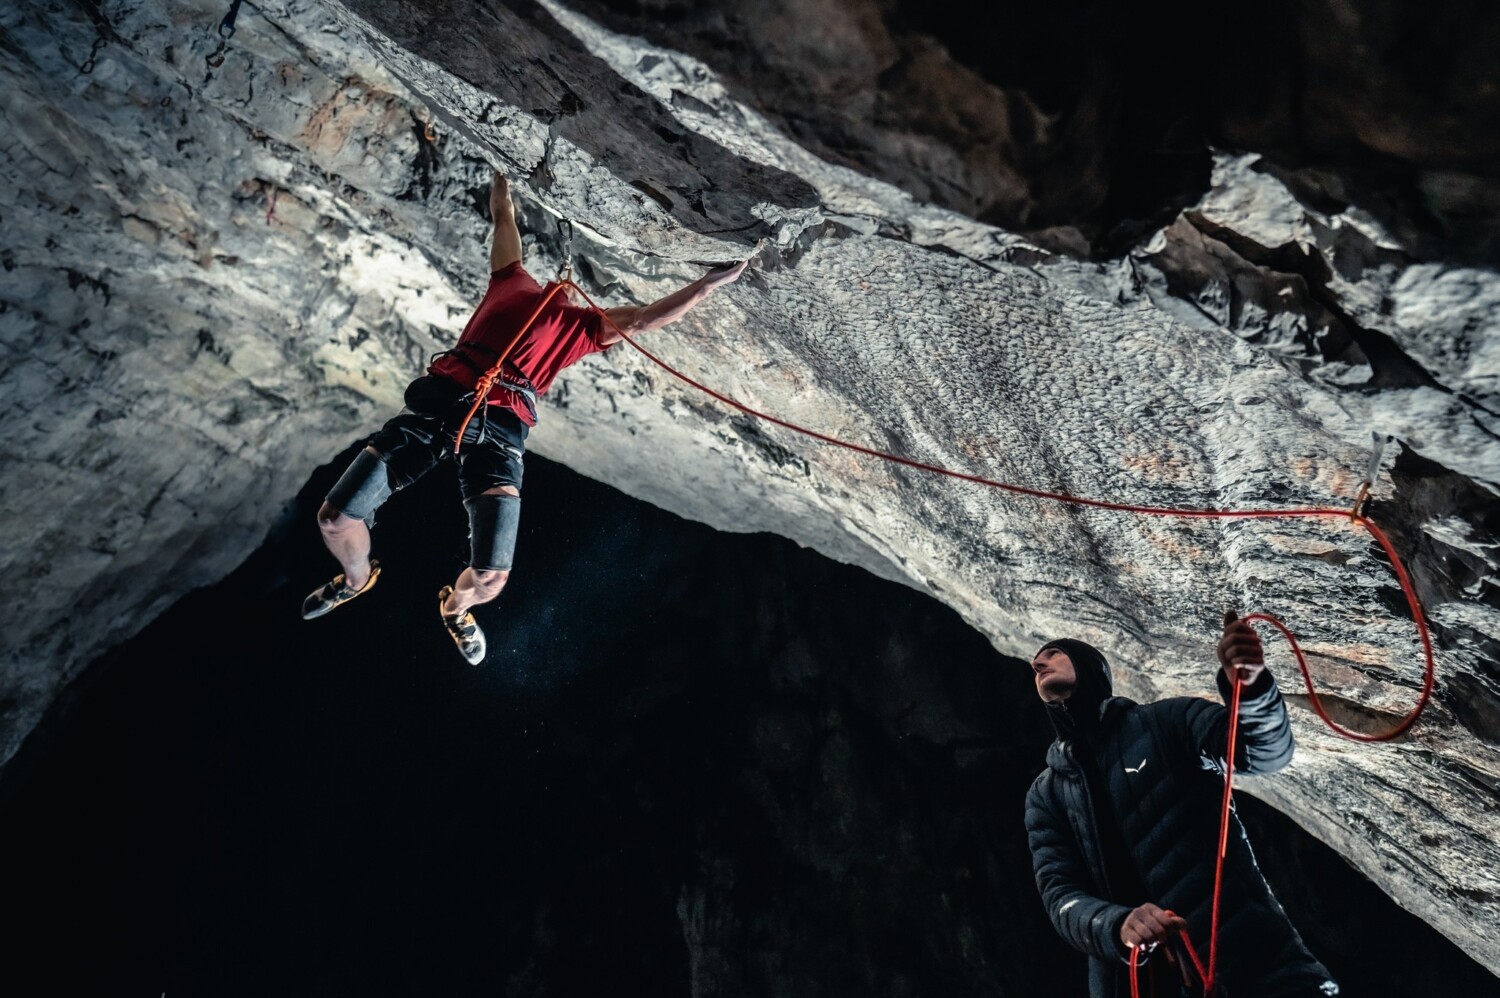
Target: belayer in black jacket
[(1124, 824)]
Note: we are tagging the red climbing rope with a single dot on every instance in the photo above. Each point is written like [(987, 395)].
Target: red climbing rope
[(1379, 535), (1225, 808), (1135, 955), (1402, 577), (1407, 589), (1208, 974), (1211, 974)]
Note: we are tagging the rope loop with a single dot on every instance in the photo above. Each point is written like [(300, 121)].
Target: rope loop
[(1187, 946)]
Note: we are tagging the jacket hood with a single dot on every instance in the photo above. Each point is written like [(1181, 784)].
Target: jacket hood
[(1078, 716)]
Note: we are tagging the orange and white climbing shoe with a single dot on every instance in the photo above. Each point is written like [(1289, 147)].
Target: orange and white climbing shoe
[(463, 629), (335, 593)]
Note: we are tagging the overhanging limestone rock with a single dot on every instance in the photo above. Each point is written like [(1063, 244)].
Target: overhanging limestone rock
[(215, 280)]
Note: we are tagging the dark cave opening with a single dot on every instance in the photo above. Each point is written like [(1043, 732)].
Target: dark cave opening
[(695, 763), (1102, 119)]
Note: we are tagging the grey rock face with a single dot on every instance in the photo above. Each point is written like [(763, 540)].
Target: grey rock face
[(215, 278)]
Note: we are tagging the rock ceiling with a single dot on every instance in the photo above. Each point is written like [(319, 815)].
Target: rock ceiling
[(216, 278)]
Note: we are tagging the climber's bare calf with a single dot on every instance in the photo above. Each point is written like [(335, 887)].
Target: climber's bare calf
[(347, 539), (490, 457)]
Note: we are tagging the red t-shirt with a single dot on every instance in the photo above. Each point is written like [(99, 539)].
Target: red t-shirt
[(561, 336)]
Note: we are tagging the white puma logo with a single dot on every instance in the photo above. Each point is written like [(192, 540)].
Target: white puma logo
[(1137, 769)]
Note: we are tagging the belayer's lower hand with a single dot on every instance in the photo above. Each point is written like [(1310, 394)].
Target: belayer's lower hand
[(727, 274), (1149, 925)]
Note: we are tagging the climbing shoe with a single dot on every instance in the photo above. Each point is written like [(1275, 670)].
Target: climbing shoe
[(335, 593), (463, 629)]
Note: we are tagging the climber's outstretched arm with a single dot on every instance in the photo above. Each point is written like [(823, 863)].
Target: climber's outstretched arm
[(633, 319), (505, 249)]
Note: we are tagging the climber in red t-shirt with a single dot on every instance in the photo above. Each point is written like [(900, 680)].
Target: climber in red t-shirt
[(494, 442)]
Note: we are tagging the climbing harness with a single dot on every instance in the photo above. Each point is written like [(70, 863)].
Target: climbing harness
[(215, 59), (488, 378), (495, 373)]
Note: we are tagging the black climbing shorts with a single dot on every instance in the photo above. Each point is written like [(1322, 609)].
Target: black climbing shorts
[(412, 443)]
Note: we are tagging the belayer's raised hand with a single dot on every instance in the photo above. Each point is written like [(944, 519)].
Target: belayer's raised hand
[(1240, 652)]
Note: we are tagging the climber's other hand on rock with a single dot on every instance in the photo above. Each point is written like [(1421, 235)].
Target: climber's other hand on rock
[(727, 274)]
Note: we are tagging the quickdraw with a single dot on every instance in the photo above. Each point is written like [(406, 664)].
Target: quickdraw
[(215, 59)]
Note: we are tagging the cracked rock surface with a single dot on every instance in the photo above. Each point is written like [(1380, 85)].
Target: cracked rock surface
[(214, 278)]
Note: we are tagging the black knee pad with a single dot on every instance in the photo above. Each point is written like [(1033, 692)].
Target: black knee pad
[(493, 523), (360, 491)]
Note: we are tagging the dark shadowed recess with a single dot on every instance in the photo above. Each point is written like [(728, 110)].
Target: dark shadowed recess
[(695, 763), (1424, 492), (1087, 123), (519, 54)]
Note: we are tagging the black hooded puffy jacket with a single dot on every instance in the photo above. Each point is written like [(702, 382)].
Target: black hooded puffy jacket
[(1162, 769)]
